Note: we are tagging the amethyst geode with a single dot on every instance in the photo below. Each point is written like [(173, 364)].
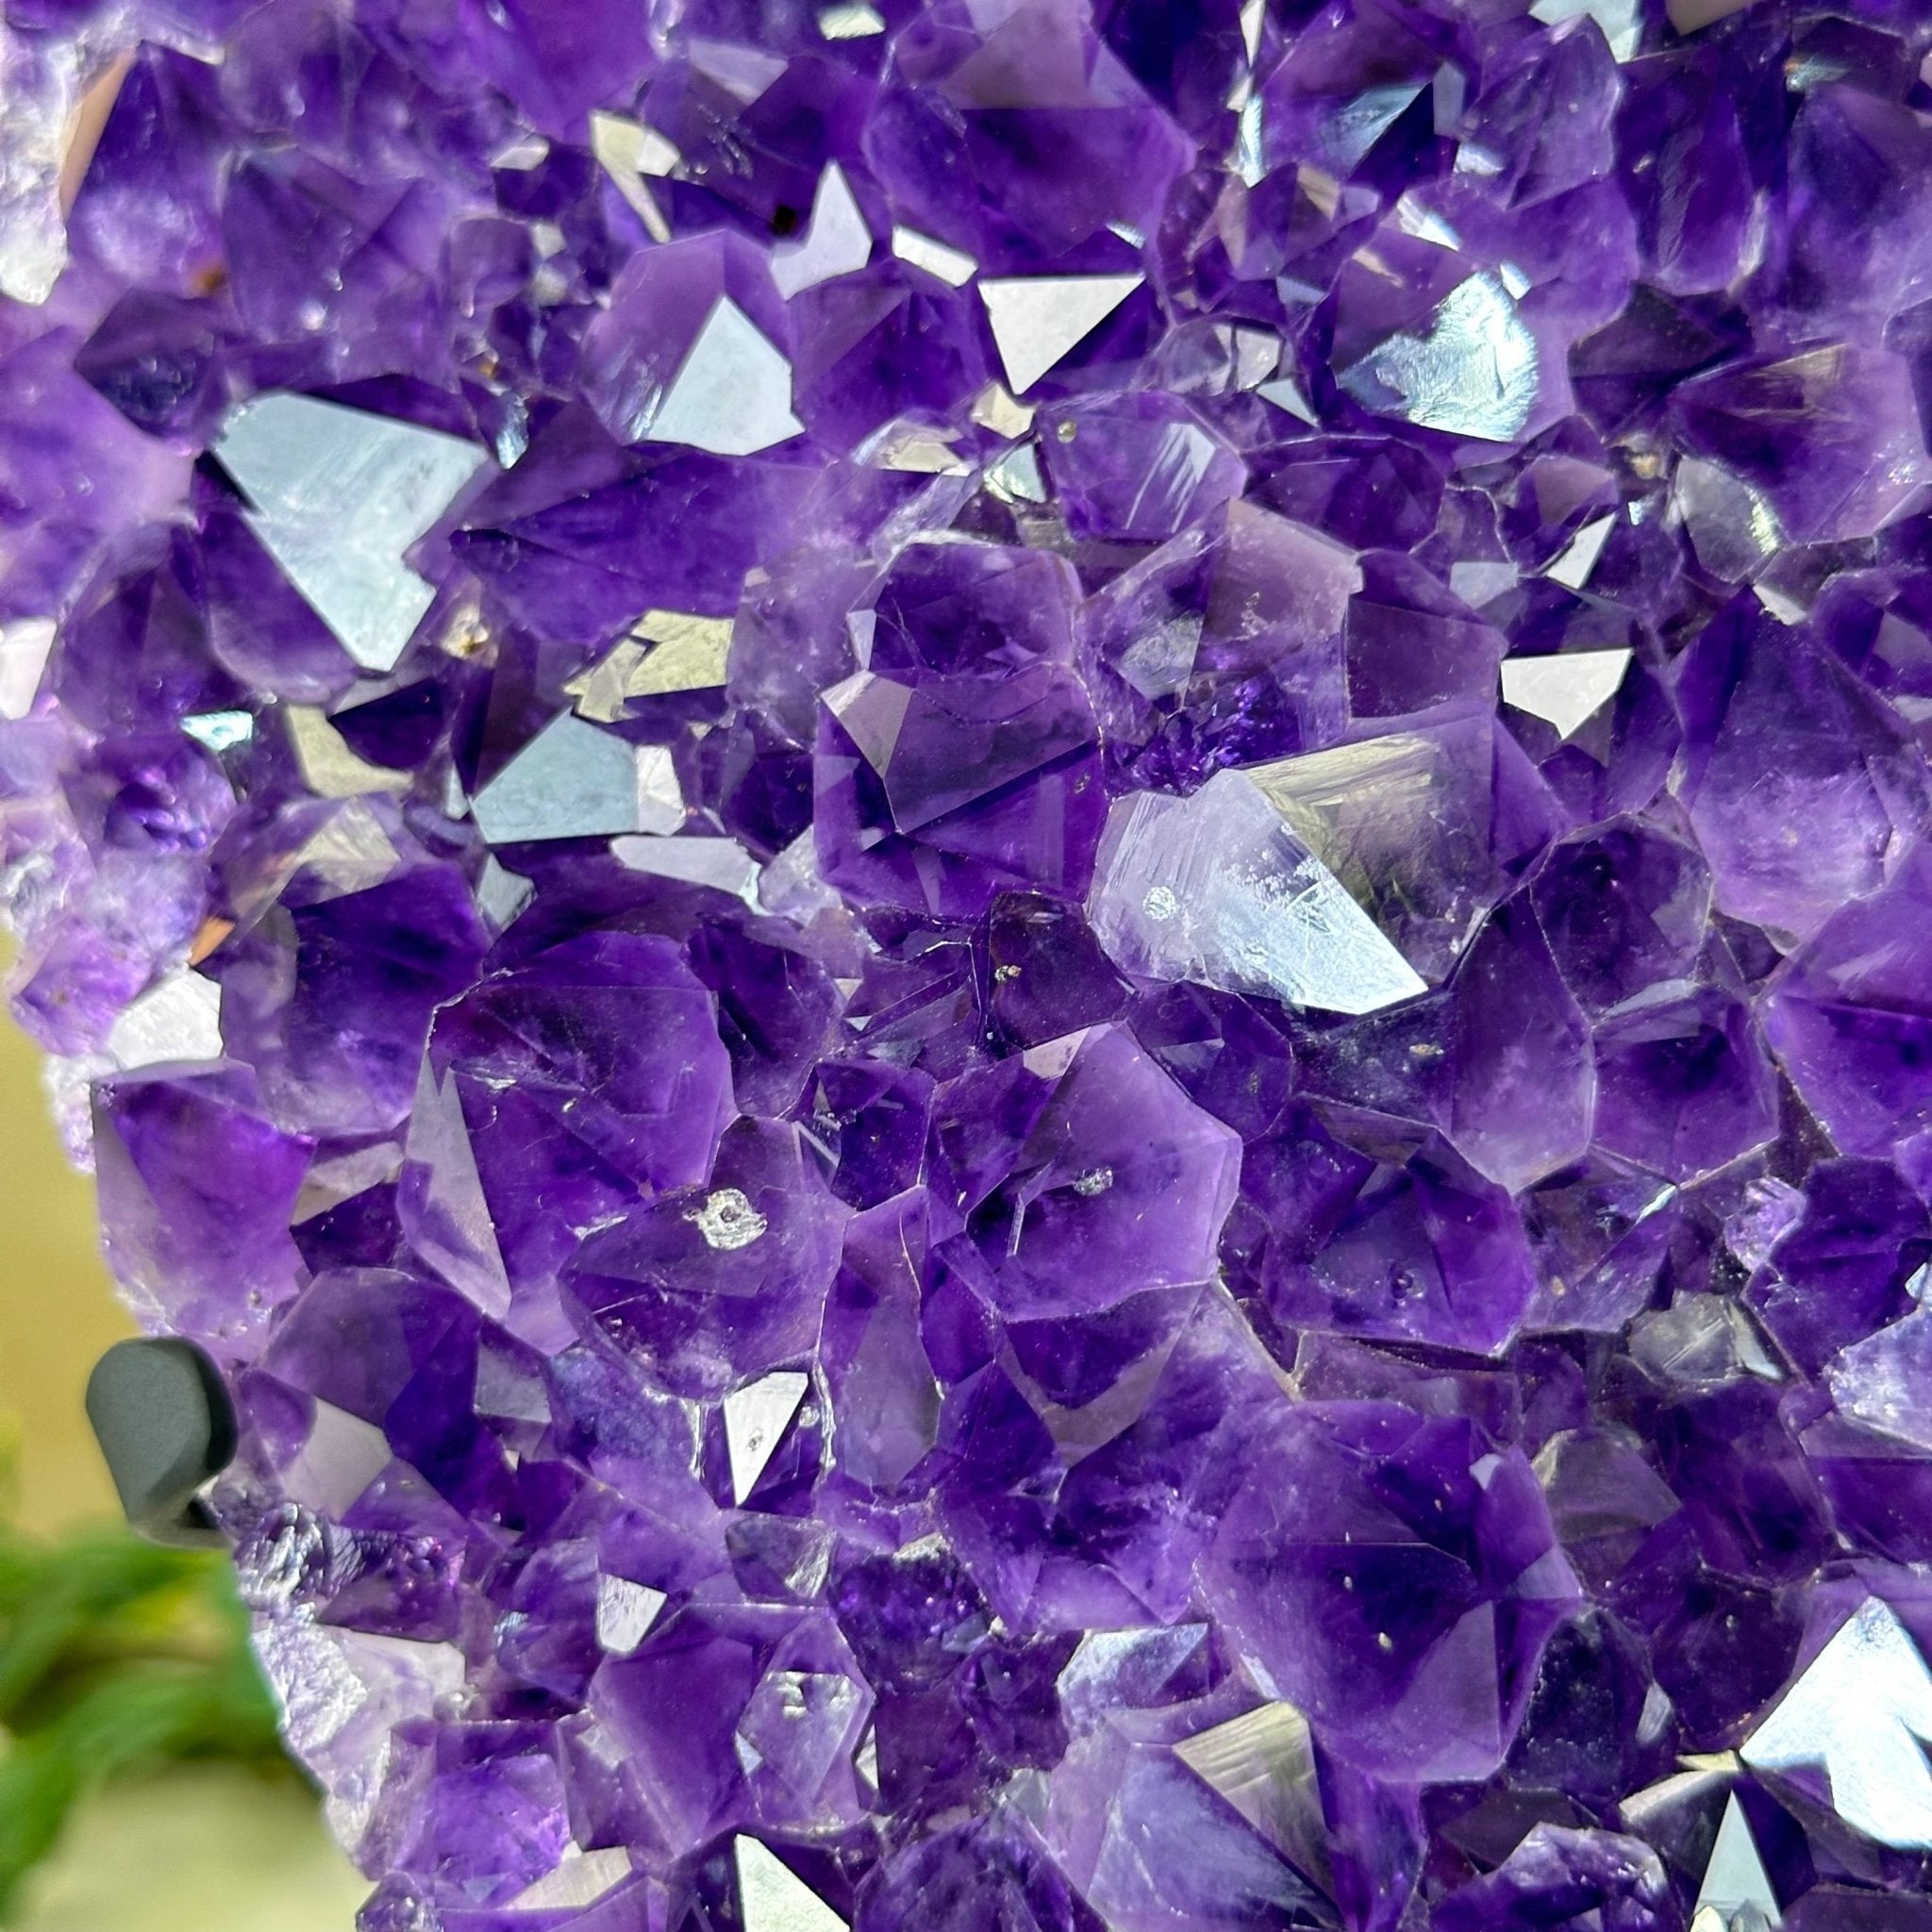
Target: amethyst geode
[(1016, 917)]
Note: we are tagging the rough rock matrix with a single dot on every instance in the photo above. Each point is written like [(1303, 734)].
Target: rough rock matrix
[(1015, 916)]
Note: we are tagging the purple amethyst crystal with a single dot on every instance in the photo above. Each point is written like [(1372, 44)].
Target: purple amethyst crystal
[(1010, 914)]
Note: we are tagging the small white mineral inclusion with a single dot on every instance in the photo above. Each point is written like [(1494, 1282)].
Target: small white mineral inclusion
[(219, 730), (1096, 1180), (1160, 905), (728, 1221)]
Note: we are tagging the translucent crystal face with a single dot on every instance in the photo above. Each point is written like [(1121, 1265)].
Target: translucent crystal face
[(1217, 890), (1009, 917)]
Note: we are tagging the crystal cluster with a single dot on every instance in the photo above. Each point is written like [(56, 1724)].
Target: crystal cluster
[(1015, 916)]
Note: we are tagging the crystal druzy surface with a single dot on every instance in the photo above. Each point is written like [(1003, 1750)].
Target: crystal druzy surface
[(1015, 916)]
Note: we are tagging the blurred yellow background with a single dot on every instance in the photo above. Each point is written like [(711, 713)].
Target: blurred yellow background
[(56, 1311), (193, 1850)]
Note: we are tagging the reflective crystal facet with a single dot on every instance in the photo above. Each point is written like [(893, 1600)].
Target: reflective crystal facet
[(337, 497), (575, 781), (1473, 372), (1734, 1882), (1038, 320), (1860, 1714), (731, 394)]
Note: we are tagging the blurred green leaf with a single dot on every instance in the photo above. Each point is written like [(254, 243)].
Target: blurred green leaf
[(114, 1657)]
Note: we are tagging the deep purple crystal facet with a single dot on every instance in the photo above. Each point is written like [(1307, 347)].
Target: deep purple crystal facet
[(1012, 914)]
